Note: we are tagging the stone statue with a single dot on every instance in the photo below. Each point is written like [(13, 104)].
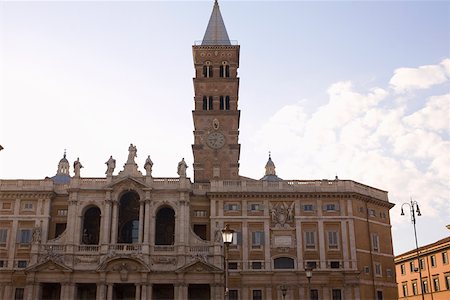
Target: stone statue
[(77, 167), (182, 166), (148, 166), (131, 154), (111, 165), (37, 234)]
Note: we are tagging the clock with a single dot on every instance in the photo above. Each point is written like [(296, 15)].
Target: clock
[(215, 140)]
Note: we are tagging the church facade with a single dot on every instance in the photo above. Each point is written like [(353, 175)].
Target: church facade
[(129, 235)]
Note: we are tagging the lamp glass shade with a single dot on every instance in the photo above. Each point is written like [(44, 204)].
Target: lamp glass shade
[(227, 235), (308, 273)]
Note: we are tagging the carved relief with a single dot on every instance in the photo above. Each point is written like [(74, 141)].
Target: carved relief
[(165, 260), (282, 213)]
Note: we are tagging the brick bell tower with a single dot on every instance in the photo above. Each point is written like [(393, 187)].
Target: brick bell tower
[(216, 116)]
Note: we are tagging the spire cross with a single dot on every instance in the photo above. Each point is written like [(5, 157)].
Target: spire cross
[(65, 152)]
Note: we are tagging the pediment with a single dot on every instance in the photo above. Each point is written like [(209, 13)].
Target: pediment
[(198, 266), (129, 182), (48, 266), (123, 264)]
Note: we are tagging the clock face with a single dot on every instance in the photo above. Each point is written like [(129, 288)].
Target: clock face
[(215, 140)]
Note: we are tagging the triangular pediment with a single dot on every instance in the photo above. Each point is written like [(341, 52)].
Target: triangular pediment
[(48, 266), (199, 266), (127, 181)]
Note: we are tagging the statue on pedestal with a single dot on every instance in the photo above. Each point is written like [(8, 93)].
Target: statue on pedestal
[(131, 154), (182, 166), (77, 167), (111, 165), (148, 166)]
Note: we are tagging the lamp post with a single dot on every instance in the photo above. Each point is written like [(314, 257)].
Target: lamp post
[(308, 271), (283, 289), (227, 238), (413, 209)]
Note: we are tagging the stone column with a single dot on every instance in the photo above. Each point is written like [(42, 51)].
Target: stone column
[(141, 221), (320, 229), (101, 291), (28, 293), (181, 291), (8, 291), (144, 291), (138, 291), (147, 221), (109, 294), (106, 236), (149, 289), (37, 291), (114, 222)]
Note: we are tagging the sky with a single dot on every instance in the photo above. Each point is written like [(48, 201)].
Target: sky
[(358, 90)]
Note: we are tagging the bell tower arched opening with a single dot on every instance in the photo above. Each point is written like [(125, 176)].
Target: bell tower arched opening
[(91, 226), (128, 223)]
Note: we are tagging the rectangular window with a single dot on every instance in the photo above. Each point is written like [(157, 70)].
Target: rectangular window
[(22, 264), (330, 207), (389, 272), (24, 236), (237, 238), (256, 265), (200, 213), (232, 207), (310, 239), (257, 238), (232, 265), (334, 265), (28, 206), (412, 268), (447, 281), (210, 103), (377, 269), (436, 284), (3, 237), (379, 295), (405, 289), (422, 263), (3, 264), (444, 258), (414, 288), (311, 264), (337, 294), (402, 269), (367, 270), (257, 294), (62, 212), (375, 242), (308, 207), (255, 207), (314, 294), (425, 286), (372, 212), (333, 242), (18, 294), (433, 260), (6, 205), (233, 295)]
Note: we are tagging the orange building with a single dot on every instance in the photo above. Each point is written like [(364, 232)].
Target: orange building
[(434, 270)]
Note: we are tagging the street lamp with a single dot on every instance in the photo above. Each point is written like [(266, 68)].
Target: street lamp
[(413, 209), (308, 271), (227, 238), (283, 289)]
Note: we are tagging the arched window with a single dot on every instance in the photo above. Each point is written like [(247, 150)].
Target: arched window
[(128, 232), (207, 103), (283, 263), (165, 227), (224, 70), (91, 226), (227, 103), (207, 70), (222, 103)]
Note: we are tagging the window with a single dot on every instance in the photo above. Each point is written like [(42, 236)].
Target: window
[(255, 207), (422, 264), (436, 284), (425, 286), (308, 207), (402, 269), (165, 226), (447, 281), (310, 239), (224, 103), (256, 265), (283, 263), (414, 287), (257, 294), (3, 264), (232, 206), (433, 260), (224, 70), (257, 238), (18, 294), (207, 70), (334, 264), (233, 295), (331, 207), (28, 206), (333, 240), (412, 268), (201, 231), (389, 272), (405, 289), (379, 295), (200, 213), (372, 212), (24, 236), (375, 242), (444, 258), (367, 270), (377, 269), (337, 294), (6, 205), (237, 238), (207, 103), (62, 212), (232, 265), (314, 294), (3, 237), (22, 264), (311, 264)]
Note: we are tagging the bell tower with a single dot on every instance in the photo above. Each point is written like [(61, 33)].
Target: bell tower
[(216, 147)]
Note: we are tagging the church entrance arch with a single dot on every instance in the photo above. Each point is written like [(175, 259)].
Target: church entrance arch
[(128, 225), (165, 226), (91, 226)]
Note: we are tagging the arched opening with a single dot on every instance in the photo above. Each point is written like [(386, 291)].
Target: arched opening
[(224, 70), (165, 227), (207, 70), (128, 232), (91, 226), (283, 263)]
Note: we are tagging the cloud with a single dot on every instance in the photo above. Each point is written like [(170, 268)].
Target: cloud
[(423, 77), (370, 137)]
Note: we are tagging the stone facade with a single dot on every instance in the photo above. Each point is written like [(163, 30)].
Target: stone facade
[(134, 236)]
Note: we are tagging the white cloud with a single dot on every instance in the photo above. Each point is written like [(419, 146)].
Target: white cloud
[(372, 138), (423, 77)]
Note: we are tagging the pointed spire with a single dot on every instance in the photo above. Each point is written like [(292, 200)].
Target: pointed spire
[(216, 33)]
